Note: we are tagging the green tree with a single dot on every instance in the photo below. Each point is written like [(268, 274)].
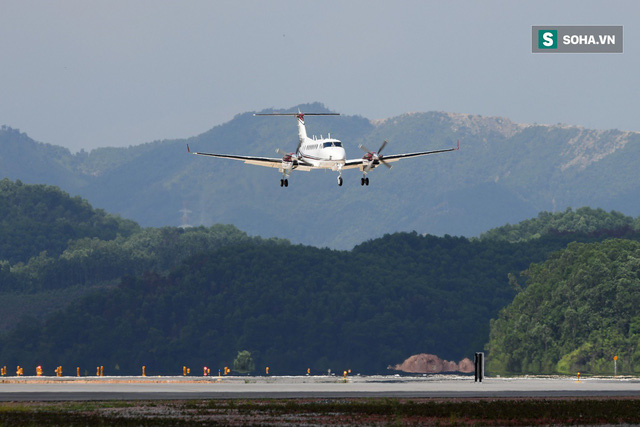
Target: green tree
[(244, 363)]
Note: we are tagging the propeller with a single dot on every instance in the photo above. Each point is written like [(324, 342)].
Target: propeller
[(287, 157), (373, 156)]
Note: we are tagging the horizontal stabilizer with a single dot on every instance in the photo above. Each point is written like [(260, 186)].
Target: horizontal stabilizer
[(296, 114)]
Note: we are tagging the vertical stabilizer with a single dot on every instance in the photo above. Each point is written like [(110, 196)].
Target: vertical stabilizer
[(302, 130)]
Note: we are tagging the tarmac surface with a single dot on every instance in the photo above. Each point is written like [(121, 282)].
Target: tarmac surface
[(285, 387)]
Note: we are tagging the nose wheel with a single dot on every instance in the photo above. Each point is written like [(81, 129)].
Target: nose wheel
[(339, 181), (284, 183), (364, 181)]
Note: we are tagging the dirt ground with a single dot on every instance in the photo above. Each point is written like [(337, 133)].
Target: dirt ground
[(316, 412)]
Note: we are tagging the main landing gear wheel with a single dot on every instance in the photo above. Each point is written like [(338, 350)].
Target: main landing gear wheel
[(340, 181)]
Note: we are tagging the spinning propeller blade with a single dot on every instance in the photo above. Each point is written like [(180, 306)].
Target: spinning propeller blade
[(384, 144), (375, 156), (365, 149)]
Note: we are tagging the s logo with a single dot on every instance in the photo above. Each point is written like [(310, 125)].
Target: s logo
[(547, 39)]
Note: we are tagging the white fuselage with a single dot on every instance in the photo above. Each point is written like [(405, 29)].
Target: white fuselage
[(322, 153)]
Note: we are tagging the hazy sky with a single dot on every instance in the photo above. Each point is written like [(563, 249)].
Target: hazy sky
[(86, 74)]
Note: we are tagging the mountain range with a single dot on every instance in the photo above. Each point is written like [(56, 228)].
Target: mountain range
[(504, 172)]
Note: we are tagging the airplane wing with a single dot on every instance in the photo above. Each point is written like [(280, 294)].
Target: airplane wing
[(352, 164), (355, 163), (396, 157), (271, 162)]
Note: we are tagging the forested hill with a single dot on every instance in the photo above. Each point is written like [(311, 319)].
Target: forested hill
[(583, 221), (504, 172), (55, 248), (294, 307), (579, 309), (36, 218), (124, 296)]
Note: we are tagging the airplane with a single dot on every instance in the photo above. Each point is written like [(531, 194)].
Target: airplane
[(321, 153)]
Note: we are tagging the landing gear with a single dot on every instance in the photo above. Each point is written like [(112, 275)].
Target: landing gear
[(338, 168), (284, 181), (364, 181)]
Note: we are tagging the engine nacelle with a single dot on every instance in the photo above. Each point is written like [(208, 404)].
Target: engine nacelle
[(287, 161), (369, 160)]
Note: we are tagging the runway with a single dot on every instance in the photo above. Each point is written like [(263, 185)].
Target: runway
[(436, 386)]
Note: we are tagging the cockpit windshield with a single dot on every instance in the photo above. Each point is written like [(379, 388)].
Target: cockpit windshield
[(332, 144)]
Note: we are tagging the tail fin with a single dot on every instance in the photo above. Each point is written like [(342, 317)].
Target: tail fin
[(302, 130)]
